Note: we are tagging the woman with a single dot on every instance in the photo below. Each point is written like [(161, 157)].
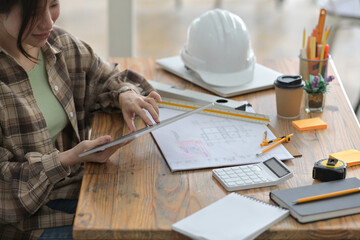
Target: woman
[(51, 83)]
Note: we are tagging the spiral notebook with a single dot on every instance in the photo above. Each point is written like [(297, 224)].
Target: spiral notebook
[(235, 216)]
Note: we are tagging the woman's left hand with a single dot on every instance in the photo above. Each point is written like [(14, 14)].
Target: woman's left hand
[(132, 103)]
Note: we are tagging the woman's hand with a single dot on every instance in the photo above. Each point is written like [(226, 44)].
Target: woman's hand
[(132, 103), (70, 157)]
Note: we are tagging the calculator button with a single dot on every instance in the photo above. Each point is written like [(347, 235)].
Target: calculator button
[(257, 168)]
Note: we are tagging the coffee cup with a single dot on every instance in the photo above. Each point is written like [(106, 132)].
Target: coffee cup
[(288, 91)]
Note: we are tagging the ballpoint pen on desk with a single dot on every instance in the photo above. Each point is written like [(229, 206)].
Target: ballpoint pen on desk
[(281, 140), (327, 195)]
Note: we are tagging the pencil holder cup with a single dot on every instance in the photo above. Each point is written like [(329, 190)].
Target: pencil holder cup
[(313, 67)]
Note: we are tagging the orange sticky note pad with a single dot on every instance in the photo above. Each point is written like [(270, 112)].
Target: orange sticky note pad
[(309, 124), (351, 157)]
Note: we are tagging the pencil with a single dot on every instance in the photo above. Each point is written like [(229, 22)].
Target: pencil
[(303, 42), (322, 54), (327, 33), (327, 195)]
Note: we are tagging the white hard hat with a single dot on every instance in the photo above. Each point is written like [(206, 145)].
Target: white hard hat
[(218, 49)]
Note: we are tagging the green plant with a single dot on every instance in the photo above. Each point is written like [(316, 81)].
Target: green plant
[(317, 84)]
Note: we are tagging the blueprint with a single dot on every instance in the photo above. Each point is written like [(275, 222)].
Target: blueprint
[(204, 141)]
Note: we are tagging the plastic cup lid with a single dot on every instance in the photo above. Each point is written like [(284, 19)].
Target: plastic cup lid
[(289, 82)]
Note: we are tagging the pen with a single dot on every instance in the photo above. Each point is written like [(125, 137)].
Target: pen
[(327, 195), (287, 139)]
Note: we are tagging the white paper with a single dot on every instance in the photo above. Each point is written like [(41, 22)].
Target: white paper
[(204, 141)]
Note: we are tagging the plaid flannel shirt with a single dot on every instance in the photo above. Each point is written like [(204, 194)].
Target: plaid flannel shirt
[(30, 170)]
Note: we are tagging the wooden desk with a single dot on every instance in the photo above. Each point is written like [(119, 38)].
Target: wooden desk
[(135, 196)]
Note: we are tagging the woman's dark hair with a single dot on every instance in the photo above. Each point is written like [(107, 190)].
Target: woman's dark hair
[(29, 10)]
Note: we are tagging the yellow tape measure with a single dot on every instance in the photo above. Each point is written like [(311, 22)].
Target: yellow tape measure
[(329, 169), (215, 111)]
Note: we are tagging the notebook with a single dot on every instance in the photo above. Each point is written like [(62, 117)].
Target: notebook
[(321, 209), (235, 217), (264, 78)]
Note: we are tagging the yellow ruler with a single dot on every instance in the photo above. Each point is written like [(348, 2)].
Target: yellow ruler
[(215, 111)]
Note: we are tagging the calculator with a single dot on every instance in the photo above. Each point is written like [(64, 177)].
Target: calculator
[(267, 173)]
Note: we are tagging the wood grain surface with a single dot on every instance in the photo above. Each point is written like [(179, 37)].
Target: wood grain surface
[(135, 196)]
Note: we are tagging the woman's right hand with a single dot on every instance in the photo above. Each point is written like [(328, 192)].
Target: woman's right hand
[(70, 157)]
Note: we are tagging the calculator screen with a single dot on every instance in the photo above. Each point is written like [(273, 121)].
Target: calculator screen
[(276, 167)]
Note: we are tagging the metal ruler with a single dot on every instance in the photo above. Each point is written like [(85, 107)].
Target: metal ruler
[(216, 110)]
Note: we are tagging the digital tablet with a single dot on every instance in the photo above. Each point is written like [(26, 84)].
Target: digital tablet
[(142, 131)]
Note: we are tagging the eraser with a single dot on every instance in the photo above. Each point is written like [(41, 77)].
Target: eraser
[(309, 124)]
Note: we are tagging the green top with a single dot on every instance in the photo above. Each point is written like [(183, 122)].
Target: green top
[(53, 112)]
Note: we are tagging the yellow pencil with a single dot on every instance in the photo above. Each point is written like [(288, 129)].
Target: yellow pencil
[(303, 42), (327, 195), (322, 54), (327, 33)]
